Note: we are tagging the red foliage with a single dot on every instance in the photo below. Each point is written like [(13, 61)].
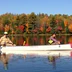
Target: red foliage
[(48, 29), (59, 28), (21, 28), (2, 28), (34, 31)]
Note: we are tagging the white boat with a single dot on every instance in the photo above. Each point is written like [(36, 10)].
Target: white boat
[(36, 48)]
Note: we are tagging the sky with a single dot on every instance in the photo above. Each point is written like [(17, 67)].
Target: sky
[(36, 6)]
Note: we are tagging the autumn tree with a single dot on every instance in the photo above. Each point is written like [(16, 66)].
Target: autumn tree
[(23, 19), (53, 24), (23, 22), (32, 21)]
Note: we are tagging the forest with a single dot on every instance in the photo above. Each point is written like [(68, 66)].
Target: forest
[(35, 23)]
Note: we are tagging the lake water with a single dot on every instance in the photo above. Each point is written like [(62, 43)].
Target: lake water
[(43, 62), (57, 62)]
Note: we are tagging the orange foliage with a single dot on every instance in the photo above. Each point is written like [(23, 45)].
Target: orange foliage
[(45, 20), (70, 27), (7, 28), (1, 27), (65, 22), (41, 28), (48, 29), (27, 28), (13, 32), (27, 25), (70, 40)]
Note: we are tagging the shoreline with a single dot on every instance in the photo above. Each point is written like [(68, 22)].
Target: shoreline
[(34, 34)]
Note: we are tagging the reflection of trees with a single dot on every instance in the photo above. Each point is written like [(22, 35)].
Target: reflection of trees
[(39, 40), (33, 40), (20, 40), (66, 39), (13, 39), (27, 40), (70, 39)]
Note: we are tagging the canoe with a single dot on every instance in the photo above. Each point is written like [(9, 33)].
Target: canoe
[(36, 48)]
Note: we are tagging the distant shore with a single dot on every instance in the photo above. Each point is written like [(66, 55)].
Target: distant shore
[(34, 34)]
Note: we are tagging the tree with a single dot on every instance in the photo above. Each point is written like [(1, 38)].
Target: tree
[(32, 20), (23, 19), (53, 24), (6, 21), (16, 21)]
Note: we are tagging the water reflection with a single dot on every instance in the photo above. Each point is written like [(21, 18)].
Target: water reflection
[(4, 59), (52, 61), (39, 40)]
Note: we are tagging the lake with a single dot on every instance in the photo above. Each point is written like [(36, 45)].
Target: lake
[(47, 61), (59, 62)]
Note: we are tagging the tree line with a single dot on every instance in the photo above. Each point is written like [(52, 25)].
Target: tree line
[(35, 23)]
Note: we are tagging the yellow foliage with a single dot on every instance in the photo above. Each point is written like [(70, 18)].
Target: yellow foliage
[(27, 30), (70, 39), (70, 27), (65, 22), (13, 32), (27, 24)]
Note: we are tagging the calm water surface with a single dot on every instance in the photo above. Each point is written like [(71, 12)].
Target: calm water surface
[(35, 63)]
